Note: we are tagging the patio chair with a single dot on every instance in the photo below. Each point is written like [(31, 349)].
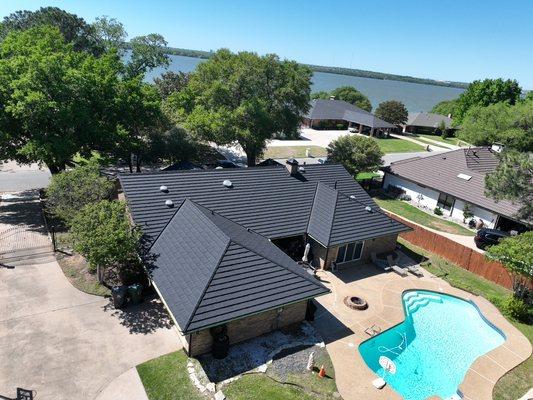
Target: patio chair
[(400, 271), (379, 263)]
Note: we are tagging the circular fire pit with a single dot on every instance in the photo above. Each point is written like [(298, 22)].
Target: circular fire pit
[(355, 303)]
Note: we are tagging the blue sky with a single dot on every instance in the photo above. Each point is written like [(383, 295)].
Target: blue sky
[(440, 39)]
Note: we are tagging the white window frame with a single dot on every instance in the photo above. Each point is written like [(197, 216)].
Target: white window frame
[(346, 246)]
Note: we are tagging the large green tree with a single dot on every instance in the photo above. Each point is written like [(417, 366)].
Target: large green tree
[(392, 111), (512, 181), (352, 96), (356, 153), (56, 101), (502, 123), (110, 32), (486, 92), (171, 82), (244, 98), (446, 107), (516, 255), (73, 28), (147, 53)]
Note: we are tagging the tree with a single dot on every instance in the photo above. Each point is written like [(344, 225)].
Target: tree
[(56, 102), (352, 96), (393, 112), (110, 32), (147, 53), (243, 98), (516, 255), (73, 28), (171, 82), (174, 145), (467, 212), (356, 153), (320, 95), (69, 191), (501, 123), (102, 233), (487, 92), (446, 107), (512, 181)]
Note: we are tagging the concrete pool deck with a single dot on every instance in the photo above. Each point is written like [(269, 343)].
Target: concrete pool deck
[(343, 330)]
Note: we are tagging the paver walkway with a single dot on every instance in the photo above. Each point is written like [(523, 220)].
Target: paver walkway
[(66, 344)]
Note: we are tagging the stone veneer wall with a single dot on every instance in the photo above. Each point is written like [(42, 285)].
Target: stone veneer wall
[(246, 328)]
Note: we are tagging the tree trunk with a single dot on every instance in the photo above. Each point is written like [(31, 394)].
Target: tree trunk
[(99, 274), (138, 164), (55, 168), (251, 156)]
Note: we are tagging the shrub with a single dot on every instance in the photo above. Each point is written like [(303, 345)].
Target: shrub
[(356, 153), (70, 191), (516, 308), (341, 127), (467, 213), (437, 211)]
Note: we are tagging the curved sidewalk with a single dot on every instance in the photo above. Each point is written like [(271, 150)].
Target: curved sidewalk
[(125, 386)]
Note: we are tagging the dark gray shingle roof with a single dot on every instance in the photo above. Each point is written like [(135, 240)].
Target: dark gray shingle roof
[(342, 110), (441, 172), (211, 270), (428, 120)]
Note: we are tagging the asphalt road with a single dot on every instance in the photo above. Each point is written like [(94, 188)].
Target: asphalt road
[(16, 178)]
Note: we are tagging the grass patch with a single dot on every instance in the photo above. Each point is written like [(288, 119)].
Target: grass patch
[(424, 140), (394, 145), (420, 217), (77, 272), (294, 151), (366, 175), (261, 387), (516, 382), (166, 378)]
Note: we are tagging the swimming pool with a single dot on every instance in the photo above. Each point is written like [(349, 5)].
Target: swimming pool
[(434, 347)]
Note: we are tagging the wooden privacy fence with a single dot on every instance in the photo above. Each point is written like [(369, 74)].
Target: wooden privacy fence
[(456, 253)]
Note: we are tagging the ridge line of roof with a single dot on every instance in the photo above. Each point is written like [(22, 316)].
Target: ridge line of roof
[(166, 225), (334, 212), (311, 211)]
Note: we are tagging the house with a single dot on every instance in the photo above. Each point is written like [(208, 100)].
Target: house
[(423, 122), (224, 243), (330, 113), (452, 179)]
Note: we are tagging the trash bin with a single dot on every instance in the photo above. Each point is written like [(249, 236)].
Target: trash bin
[(119, 296), (135, 293)]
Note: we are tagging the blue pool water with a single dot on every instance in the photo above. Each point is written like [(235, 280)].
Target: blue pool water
[(434, 347)]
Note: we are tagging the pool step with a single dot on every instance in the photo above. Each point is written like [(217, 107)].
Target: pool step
[(416, 300)]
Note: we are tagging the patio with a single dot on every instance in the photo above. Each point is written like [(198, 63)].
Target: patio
[(343, 329)]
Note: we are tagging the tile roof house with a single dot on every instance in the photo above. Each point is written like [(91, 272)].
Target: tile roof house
[(449, 180), (339, 111), (217, 236), (420, 122)]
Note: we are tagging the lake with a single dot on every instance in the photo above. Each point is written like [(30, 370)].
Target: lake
[(415, 96)]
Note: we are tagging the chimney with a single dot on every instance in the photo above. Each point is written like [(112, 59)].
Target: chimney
[(292, 166), (332, 97)]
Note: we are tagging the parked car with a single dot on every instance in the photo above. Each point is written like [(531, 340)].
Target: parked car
[(488, 237)]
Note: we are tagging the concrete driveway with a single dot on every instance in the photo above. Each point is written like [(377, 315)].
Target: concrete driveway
[(66, 344)]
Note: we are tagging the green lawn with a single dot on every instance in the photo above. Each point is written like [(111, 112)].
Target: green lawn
[(366, 175), (516, 382), (393, 145), (424, 140), (452, 140), (166, 378), (293, 151), (420, 217)]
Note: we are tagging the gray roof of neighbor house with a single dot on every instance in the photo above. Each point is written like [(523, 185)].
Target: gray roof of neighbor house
[(210, 270), (428, 120), (441, 172), (342, 110)]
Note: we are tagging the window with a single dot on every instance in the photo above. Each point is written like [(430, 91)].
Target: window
[(349, 252), (446, 201)]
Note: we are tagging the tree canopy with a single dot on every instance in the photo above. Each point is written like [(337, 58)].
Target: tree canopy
[(356, 153), (502, 123), (516, 255), (512, 181), (243, 98), (347, 93), (56, 101), (147, 53), (392, 111), (171, 82), (446, 107), (486, 92), (110, 32)]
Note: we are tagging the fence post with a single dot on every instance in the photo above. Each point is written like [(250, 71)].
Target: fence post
[(53, 234)]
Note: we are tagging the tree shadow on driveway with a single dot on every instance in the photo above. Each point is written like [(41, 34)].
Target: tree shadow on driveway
[(144, 318)]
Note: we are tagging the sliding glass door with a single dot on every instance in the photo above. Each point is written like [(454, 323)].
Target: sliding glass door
[(349, 252)]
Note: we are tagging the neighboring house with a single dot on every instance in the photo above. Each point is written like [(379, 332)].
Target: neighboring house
[(449, 180), (330, 113), (422, 122), (217, 237)]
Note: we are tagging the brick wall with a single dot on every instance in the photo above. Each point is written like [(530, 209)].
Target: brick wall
[(249, 327)]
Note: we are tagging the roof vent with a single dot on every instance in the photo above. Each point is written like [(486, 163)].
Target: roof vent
[(219, 167), (352, 197), (163, 189), (227, 183), (464, 176), (169, 203), (368, 208), (301, 169)]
